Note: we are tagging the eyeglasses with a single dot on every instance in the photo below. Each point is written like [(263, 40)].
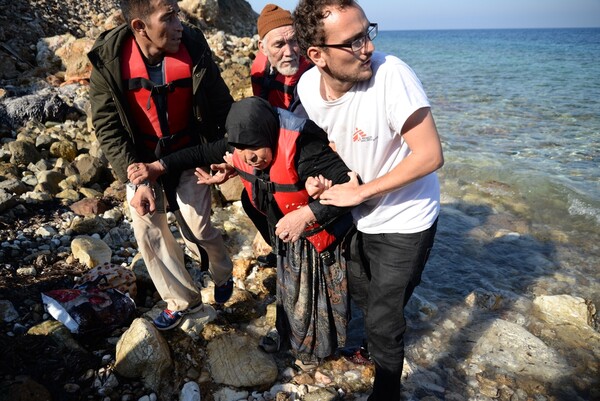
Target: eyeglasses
[(357, 44)]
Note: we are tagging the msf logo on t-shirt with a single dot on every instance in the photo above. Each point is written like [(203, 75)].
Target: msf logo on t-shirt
[(360, 136)]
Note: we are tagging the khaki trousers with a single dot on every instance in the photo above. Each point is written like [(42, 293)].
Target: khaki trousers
[(162, 254)]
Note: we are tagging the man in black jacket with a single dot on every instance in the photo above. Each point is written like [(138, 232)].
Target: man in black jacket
[(155, 89)]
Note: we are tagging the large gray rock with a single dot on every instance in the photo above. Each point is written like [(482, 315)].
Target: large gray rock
[(143, 353), (232, 16), (65, 149), (90, 225), (8, 313), (7, 200), (508, 347), (235, 360), (59, 334), (42, 106), (23, 152), (49, 181), (566, 309), (90, 168), (8, 170)]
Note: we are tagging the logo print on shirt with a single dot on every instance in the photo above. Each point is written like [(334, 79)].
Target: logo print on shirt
[(358, 135)]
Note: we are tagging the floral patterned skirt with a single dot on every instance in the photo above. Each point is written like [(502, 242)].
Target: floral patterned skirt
[(312, 302)]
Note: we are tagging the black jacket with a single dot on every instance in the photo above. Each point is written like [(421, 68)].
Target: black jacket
[(114, 127)]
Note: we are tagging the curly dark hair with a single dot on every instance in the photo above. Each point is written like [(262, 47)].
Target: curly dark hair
[(308, 20), (132, 9)]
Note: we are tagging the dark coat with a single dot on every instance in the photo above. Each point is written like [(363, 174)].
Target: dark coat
[(114, 127)]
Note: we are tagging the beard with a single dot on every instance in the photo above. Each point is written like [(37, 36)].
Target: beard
[(350, 74), (287, 67)]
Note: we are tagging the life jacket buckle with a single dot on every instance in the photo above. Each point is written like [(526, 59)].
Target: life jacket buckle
[(267, 186)]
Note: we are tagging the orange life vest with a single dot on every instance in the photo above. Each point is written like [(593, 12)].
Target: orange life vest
[(277, 89), (284, 185), (141, 93)]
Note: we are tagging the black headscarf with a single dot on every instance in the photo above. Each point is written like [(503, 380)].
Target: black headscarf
[(252, 123)]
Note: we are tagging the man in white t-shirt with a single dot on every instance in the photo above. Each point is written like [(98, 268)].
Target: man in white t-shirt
[(377, 115)]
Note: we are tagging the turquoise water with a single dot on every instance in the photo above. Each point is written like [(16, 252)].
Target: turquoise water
[(519, 116)]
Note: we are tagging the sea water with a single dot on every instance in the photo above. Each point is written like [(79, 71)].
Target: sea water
[(518, 112)]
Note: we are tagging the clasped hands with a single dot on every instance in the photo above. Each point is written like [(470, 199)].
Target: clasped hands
[(143, 175)]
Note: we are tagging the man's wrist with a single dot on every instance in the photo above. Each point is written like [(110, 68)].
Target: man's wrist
[(144, 183), (163, 165)]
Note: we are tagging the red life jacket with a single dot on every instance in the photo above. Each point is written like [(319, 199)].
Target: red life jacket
[(284, 185), (141, 94), (278, 89)]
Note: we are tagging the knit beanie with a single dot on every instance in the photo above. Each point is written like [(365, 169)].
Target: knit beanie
[(272, 17)]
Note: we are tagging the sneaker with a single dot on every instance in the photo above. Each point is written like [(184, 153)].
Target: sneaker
[(169, 318), (269, 260), (223, 292)]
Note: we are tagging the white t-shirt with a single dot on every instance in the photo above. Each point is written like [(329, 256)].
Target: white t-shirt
[(365, 125)]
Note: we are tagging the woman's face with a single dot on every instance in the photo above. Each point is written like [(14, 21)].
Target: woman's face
[(259, 158)]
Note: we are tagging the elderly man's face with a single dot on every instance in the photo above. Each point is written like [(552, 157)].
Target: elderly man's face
[(281, 48)]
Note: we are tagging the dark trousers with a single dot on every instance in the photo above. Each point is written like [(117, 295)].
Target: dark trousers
[(382, 274), (258, 219)]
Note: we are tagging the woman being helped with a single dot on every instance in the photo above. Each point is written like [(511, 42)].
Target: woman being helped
[(275, 153)]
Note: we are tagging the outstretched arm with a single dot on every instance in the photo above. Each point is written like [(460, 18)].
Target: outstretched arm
[(315, 186), (200, 155)]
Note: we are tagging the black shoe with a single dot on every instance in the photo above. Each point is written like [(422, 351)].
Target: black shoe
[(224, 291), (269, 260), (359, 356)]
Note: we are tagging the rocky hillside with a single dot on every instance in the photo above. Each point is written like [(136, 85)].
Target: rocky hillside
[(23, 23)]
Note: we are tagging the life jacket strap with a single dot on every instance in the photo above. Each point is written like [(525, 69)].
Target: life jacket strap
[(269, 186), (156, 90)]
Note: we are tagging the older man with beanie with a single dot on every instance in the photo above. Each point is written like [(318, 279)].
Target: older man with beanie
[(275, 71), (278, 64)]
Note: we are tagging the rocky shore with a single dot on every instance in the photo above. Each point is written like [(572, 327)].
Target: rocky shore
[(62, 212)]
